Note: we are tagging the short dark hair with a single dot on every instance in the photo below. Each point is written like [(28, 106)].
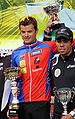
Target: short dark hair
[(28, 20)]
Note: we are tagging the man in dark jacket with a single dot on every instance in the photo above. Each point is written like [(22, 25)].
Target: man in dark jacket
[(63, 70)]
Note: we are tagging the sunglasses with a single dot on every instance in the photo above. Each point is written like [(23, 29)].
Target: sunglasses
[(27, 18)]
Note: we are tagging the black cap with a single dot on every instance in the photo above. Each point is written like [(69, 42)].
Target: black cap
[(64, 32)]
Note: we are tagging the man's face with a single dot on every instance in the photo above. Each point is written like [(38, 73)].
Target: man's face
[(28, 33), (64, 46)]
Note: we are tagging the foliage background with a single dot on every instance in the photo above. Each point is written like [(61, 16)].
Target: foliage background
[(10, 13)]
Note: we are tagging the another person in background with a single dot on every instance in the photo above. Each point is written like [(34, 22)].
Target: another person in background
[(5, 62), (34, 57), (62, 70)]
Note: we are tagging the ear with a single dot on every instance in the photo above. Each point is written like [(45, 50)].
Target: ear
[(72, 43), (36, 31)]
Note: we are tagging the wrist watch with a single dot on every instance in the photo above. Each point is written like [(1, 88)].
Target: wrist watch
[(47, 33), (72, 114)]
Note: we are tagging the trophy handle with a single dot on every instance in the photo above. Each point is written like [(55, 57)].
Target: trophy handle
[(72, 93), (56, 93)]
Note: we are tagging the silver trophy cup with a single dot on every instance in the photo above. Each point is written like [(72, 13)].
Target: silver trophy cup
[(12, 73), (64, 95), (52, 10)]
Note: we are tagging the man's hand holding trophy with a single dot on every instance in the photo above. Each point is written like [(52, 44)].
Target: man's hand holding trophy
[(64, 95), (54, 22), (12, 73)]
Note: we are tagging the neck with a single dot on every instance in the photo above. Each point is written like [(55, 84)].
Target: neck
[(30, 43)]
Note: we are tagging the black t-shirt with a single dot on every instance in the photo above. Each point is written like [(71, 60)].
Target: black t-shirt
[(63, 74), (63, 71), (4, 63)]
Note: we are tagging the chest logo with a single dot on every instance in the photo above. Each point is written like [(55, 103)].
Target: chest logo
[(37, 60), (36, 52), (70, 66), (22, 63), (57, 72)]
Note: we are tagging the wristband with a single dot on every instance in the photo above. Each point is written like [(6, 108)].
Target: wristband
[(46, 39), (47, 33)]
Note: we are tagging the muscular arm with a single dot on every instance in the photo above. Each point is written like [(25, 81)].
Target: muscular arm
[(48, 31)]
